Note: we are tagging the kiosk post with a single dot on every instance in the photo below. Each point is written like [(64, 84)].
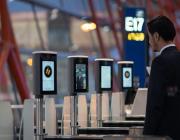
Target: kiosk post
[(45, 83), (103, 82), (99, 110), (125, 79), (73, 115), (39, 118), (78, 82)]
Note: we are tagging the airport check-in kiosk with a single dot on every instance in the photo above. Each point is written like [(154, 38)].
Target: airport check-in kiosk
[(125, 78), (125, 72), (103, 82), (45, 83), (78, 83)]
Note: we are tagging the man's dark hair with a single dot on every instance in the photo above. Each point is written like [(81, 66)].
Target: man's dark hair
[(163, 26)]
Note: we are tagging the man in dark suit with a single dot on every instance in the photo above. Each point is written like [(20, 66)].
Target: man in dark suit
[(163, 101)]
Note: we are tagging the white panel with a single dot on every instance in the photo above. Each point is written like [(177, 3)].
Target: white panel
[(6, 121), (139, 105), (117, 106), (93, 110), (50, 117), (82, 111), (28, 120), (105, 106), (66, 116)]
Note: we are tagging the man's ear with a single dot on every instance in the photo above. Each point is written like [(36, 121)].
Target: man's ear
[(156, 36)]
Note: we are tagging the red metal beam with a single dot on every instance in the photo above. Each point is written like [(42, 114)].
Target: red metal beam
[(149, 8), (4, 52), (161, 7), (3, 81), (94, 19), (119, 10), (18, 76), (168, 9), (171, 10), (15, 47), (14, 58), (3, 58), (118, 46)]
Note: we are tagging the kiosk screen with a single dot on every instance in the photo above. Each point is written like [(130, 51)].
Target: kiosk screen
[(127, 77), (105, 76), (81, 77), (48, 76)]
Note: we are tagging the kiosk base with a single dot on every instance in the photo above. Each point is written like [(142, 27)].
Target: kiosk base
[(74, 138)]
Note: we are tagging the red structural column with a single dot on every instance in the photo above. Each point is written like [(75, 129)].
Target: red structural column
[(3, 58), (14, 62), (119, 10), (94, 19), (5, 35), (171, 8), (149, 8), (3, 81), (118, 46), (4, 52), (18, 76)]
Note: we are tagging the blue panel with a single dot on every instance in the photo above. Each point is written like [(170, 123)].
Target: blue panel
[(136, 50)]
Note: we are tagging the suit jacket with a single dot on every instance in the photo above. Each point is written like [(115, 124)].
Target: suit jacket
[(163, 101)]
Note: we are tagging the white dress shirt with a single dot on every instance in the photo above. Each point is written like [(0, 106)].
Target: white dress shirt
[(167, 46)]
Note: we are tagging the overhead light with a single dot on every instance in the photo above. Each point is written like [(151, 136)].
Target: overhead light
[(29, 62), (54, 14), (10, 0), (89, 26)]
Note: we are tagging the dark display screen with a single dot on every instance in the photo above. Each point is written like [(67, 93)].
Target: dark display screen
[(127, 77), (48, 78), (105, 76), (81, 77)]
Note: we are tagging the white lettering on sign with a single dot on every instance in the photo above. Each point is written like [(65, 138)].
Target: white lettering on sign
[(134, 24)]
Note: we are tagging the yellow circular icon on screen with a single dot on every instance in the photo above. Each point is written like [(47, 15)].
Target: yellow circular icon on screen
[(48, 71)]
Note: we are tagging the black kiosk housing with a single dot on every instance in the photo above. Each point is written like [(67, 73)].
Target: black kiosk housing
[(45, 73), (104, 73), (78, 74), (125, 75)]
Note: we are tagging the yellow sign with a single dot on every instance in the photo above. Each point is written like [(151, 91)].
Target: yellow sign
[(136, 36)]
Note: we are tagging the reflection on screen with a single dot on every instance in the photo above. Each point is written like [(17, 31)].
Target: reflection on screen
[(47, 76), (105, 76), (127, 77), (80, 76)]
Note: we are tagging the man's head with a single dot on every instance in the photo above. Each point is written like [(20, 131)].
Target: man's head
[(161, 32)]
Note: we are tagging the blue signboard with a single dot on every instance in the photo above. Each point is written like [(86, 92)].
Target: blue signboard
[(134, 40)]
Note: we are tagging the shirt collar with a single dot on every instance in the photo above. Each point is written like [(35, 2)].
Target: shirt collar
[(167, 46)]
